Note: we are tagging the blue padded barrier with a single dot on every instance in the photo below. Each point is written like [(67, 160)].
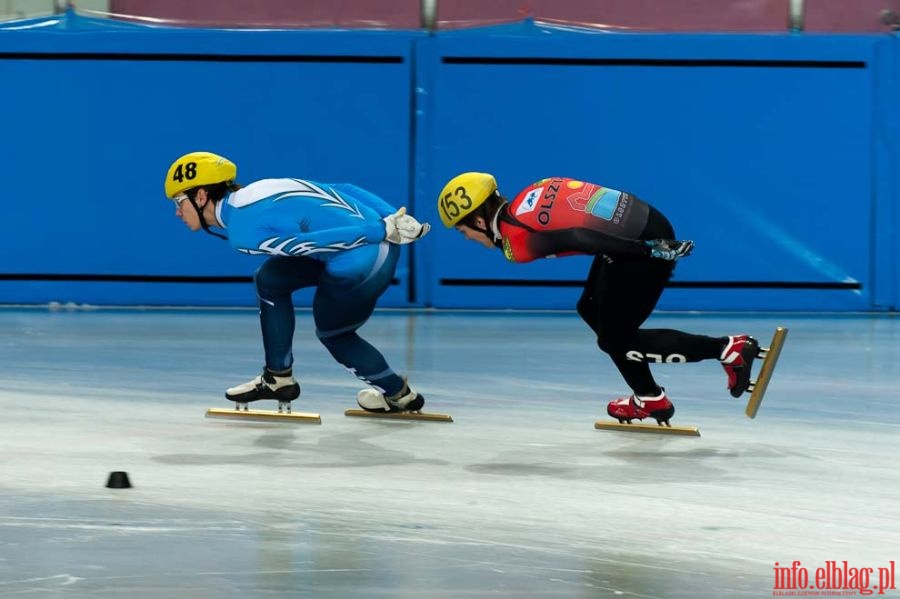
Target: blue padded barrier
[(92, 115), (775, 153), (758, 147)]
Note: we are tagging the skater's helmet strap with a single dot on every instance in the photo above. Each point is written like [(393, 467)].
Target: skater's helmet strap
[(463, 194)]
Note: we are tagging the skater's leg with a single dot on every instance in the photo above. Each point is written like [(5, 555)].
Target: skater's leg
[(588, 303), (342, 305), (593, 308), (275, 280), (623, 298), (628, 292), (623, 294), (628, 295)]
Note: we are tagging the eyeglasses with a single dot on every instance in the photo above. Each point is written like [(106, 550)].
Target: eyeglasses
[(179, 198)]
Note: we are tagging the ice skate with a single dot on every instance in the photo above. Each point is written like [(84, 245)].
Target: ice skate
[(284, 389), (626, 409), (737, 360), (405, 405)]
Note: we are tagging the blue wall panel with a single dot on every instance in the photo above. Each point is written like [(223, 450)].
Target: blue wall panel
[(759, 148), (777, 154), (88, 134), (885, 240)]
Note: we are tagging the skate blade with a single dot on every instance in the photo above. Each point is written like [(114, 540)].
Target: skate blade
[(263, 415), (606, 425), (401, 415), (758, 389)]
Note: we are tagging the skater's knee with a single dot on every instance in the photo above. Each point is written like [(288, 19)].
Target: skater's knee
[(611, 342), (587, 311), (336, 337), (582, 307), (608, 346)]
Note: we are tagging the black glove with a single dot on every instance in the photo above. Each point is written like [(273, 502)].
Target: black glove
[(669, 249)]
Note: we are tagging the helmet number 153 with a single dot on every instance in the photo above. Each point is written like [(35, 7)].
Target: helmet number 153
[(451, 207)]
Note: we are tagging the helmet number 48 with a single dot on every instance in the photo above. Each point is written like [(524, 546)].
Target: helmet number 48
[(187, 171), (451, 207)]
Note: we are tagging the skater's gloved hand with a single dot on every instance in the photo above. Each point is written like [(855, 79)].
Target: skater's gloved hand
[(410, 229), (401, 228), (669, 249), (391, 232)]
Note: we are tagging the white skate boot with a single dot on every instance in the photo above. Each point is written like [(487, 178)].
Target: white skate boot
[(407, 400), (266, 386)]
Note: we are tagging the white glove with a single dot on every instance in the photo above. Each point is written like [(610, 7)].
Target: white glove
[(391, 233), (410, 229), (400, 228)]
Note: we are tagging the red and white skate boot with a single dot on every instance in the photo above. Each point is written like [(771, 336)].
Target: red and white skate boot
[(626, 409), (737, 360)]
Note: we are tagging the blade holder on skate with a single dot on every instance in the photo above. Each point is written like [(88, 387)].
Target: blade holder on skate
[(284, 407), (242, 411), (659, 428), (431, 417)]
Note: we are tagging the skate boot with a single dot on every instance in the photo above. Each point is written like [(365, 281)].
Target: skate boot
[(407, 400), (626, 409), (266, 386), (737, 360)]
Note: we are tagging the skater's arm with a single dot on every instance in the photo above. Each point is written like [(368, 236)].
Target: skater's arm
[(366, 197), (281, 241), (589, 241), (585, 241)]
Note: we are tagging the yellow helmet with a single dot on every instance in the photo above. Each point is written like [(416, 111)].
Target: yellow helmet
[(463, 194), (196, 169)]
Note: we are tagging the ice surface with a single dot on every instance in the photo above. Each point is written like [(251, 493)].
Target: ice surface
[(519, 497)]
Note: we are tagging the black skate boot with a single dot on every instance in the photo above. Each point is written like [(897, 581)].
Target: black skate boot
[(266, 386), (407, 400)]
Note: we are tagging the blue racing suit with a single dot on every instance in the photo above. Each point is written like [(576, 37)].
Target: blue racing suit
[(328, 236)]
